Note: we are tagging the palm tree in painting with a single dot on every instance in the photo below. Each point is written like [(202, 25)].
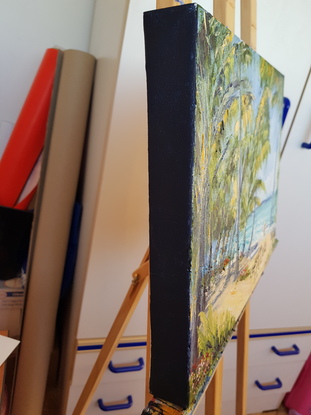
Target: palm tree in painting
[(216, 109), (255, 149), (232, 144), (232, 147)]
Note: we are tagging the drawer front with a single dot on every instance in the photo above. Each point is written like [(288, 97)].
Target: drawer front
[(270, 402), (294, 348), (265, 374), (254, 405), (272, 378), (112, 396), (228, 407), (265, 366), (200, 409), (127, 365), (281, 350)]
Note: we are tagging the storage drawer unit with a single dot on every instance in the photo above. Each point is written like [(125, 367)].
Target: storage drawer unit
[(112, 395), (274, 370), (124, 377), (128, 359), (270, 375)]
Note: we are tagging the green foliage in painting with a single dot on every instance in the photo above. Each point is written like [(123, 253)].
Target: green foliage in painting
[(239, 100), (215, 328)]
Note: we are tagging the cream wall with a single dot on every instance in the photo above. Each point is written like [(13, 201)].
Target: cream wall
[(281, 298), (27, 28)]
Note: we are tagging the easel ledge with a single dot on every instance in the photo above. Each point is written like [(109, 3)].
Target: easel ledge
[(224, 12)]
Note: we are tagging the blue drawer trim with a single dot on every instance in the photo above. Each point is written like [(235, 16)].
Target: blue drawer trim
[(120, 346), (89, 348), (95, 347), (276, 334), (135, 344)]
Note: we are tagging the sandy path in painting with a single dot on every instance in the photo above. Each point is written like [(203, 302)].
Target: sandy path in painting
[(236, 294)]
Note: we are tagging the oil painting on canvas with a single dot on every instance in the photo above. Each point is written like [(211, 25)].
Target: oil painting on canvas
[(214, 119)]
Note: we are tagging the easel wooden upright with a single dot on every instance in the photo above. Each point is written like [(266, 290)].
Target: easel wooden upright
[(224, 11)]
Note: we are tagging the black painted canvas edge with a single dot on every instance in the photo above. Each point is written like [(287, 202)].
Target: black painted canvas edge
[(171, 131)]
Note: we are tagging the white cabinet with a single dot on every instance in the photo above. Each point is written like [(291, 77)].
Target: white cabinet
[(122, 385), (275, 360), (270, 375), (125, 388)]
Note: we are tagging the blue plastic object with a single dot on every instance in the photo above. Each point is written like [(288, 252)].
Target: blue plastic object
[(286, 105), (122, 369), (294, 350), (277, 385), (117, 407)]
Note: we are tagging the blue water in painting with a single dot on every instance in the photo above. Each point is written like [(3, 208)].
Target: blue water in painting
[(262, 218), (260, 223)]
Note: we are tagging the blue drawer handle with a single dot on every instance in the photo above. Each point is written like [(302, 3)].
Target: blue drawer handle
[(286, 352), (126, 405), (268, 386), (122, 369)]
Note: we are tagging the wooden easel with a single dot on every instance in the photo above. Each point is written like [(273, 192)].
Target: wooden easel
[(224, 11), (140, 278)]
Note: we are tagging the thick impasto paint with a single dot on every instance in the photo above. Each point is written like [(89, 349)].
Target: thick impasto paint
[(238, 119), (230, 199)]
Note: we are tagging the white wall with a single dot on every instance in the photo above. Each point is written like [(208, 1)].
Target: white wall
[(282, 296), (284, 34), (27, 29)]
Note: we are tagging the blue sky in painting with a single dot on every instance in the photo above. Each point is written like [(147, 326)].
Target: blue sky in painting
[(267, 172)]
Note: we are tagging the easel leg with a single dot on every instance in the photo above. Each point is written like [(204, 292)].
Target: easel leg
[(242, 362), (213, 394), (162, 4), (140, 280), (224, 11), (248, 22)]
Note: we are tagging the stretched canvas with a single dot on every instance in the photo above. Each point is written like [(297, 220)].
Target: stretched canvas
[(214, 119)]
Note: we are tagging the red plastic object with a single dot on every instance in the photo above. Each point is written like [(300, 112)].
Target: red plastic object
[(299, 398), (27, 138)]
